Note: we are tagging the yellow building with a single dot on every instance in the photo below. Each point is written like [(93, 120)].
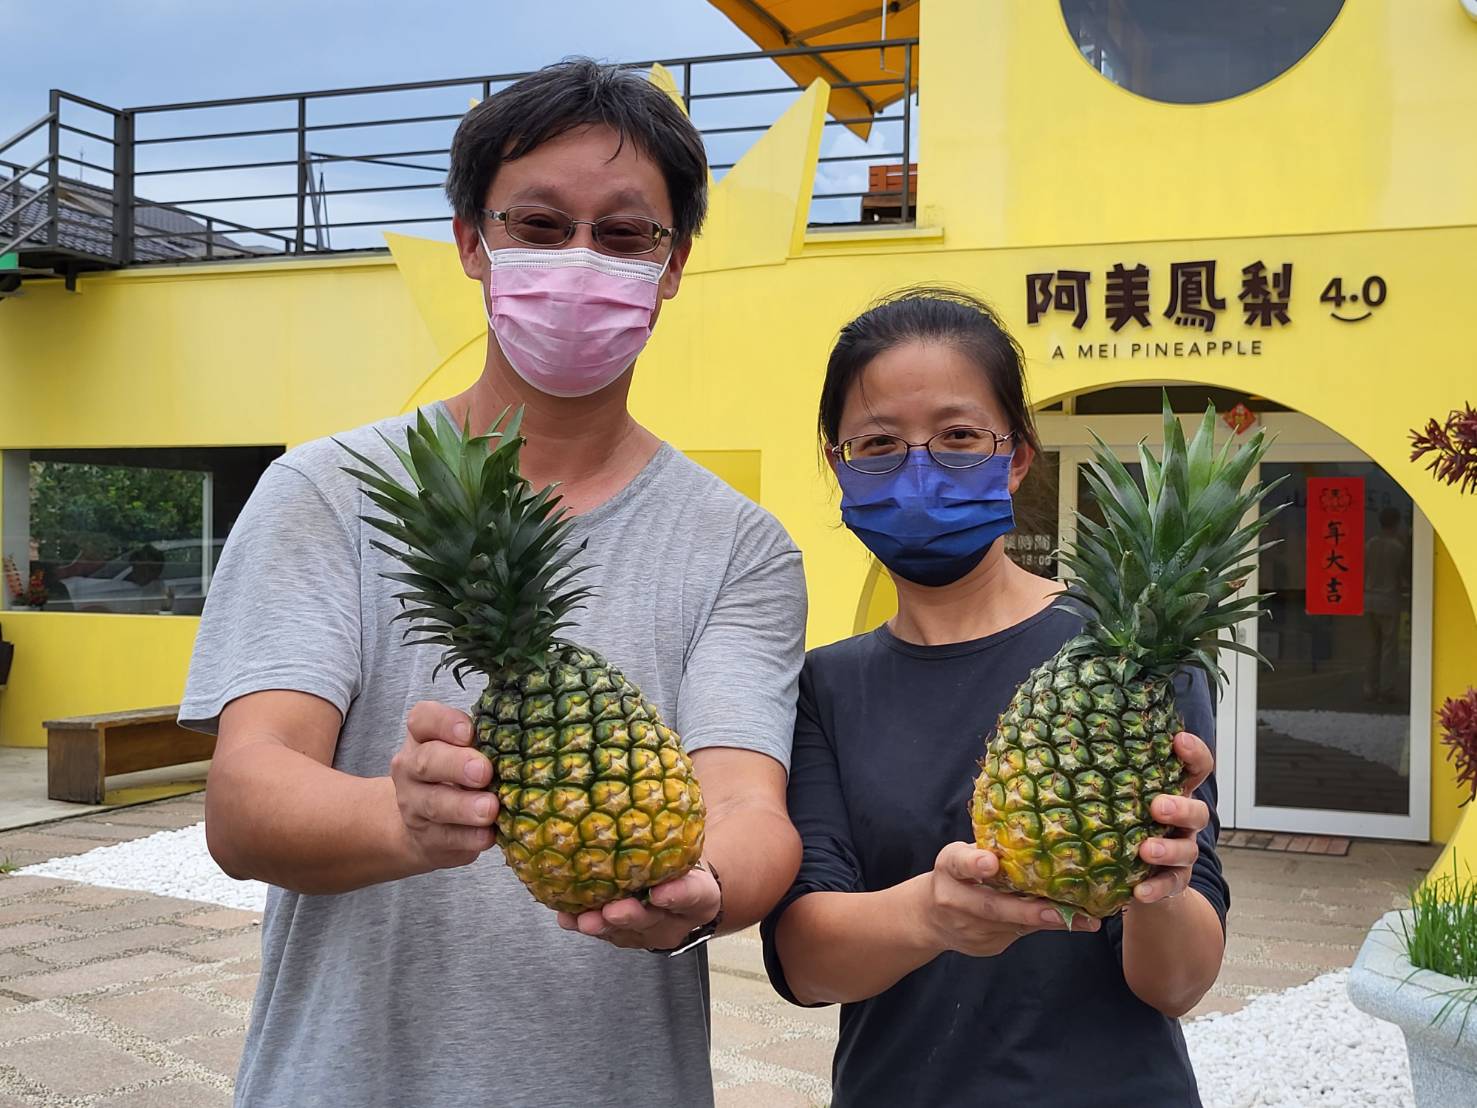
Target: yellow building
[(1278, 216)]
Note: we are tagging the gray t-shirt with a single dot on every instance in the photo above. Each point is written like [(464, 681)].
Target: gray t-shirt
[(456, 987)]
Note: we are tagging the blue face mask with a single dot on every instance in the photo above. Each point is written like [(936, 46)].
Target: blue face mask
[(928, 524)]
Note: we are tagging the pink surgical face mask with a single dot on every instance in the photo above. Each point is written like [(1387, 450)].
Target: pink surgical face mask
[(570, 321)]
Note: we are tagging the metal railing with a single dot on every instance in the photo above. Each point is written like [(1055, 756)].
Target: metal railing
[(314, 172)]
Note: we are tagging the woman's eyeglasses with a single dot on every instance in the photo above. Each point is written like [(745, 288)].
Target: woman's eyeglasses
[(952, 448), (535, 225)]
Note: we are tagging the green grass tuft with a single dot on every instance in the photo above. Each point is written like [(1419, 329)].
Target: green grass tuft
[(1441, 932), (1440, 935), (8, 866)]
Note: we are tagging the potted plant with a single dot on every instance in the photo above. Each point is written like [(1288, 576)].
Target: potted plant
[(32, 594), (1418, 967)]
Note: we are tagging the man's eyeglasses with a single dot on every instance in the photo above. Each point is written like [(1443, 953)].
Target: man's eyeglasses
[(535, 225), (952, 448)]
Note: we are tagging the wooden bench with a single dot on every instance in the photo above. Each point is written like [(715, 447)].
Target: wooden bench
[(883, 202), (82, 751)]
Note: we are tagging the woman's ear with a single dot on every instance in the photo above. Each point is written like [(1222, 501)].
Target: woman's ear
[(832, 460), (1020, 465)]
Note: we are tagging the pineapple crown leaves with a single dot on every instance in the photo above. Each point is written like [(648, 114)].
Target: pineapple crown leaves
[(1160, 576), (488, 573)]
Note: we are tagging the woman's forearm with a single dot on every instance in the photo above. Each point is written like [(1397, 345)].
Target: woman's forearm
[(279, 816), (1172, 951), (839, 948)]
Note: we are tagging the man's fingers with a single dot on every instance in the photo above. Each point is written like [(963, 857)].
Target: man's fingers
[(591, 923), (446, 804), (967, 862), (440, 763), (467, 841), (432, 722), (629, 914), (681, 894), (1186, 812)]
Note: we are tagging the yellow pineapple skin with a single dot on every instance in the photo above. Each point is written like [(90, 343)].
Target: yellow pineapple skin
[(1063, 794), (597, 799)]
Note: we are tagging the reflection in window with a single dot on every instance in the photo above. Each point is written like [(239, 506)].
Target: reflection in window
[(125, 531), (1196, 51), (1033, 543)]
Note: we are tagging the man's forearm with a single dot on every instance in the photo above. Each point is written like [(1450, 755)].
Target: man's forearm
[(1172, 951), (279, 816), (756, 852)]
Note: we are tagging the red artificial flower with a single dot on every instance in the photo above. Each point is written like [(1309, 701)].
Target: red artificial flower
[(1459, 735), (1454, 446)]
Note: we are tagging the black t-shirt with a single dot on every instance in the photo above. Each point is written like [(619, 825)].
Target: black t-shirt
[(887, 744)]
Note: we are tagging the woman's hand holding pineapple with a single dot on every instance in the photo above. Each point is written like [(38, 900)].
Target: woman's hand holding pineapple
[(961, 913), (441, 789), (1174, 856)]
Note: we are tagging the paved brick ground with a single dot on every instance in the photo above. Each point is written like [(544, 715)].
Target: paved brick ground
[(113, 999)]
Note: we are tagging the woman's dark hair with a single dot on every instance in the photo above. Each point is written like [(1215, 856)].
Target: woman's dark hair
[(577, 93), (930, 314)]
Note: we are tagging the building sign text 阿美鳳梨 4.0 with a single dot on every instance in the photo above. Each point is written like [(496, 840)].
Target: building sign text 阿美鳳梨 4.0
[(1150, 315)]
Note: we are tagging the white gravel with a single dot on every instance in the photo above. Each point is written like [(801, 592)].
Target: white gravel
[(170, 863), (1306, 1047)]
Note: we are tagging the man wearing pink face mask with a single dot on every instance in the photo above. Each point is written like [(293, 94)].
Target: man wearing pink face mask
[(403, 963)]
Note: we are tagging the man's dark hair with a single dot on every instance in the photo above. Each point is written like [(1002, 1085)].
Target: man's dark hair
[(578, 93)]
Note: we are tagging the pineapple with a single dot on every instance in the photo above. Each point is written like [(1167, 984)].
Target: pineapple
[(597, 798), (1086, 743)]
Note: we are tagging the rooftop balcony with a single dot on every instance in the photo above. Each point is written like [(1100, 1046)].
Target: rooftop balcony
[(88, 186)]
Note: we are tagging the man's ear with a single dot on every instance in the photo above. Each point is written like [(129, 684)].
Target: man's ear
[(469, 249), (672, 279)]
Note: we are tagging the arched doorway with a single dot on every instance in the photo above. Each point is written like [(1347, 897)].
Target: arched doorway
[(1334, 737)]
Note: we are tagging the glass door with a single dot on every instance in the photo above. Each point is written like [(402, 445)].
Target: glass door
[(1334, 736), (1332, 745)]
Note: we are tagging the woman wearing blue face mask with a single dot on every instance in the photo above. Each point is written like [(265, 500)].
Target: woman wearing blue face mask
[(954, 993)]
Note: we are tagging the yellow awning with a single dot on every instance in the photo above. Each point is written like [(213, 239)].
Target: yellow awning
[(785, 24)]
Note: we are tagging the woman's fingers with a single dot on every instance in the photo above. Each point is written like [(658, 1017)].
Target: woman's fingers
[(1185, 813), (1026, 912), (1198, 759), (967, 862), (1162, 886), (1169, 852)]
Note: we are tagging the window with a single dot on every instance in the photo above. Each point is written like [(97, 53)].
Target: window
[(1196, 51), (126, 531)]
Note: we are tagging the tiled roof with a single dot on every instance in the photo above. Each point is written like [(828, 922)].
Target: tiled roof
[(85, 216)]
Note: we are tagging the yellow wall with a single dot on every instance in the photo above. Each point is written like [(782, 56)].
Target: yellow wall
[(209, 356), (1022, 142), (71, 664), (1453, 671)]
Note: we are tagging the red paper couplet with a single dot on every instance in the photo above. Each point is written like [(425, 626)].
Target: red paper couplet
[(1335, 546)]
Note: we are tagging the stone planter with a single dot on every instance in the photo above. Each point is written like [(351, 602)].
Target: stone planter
[(1443, 1056)]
